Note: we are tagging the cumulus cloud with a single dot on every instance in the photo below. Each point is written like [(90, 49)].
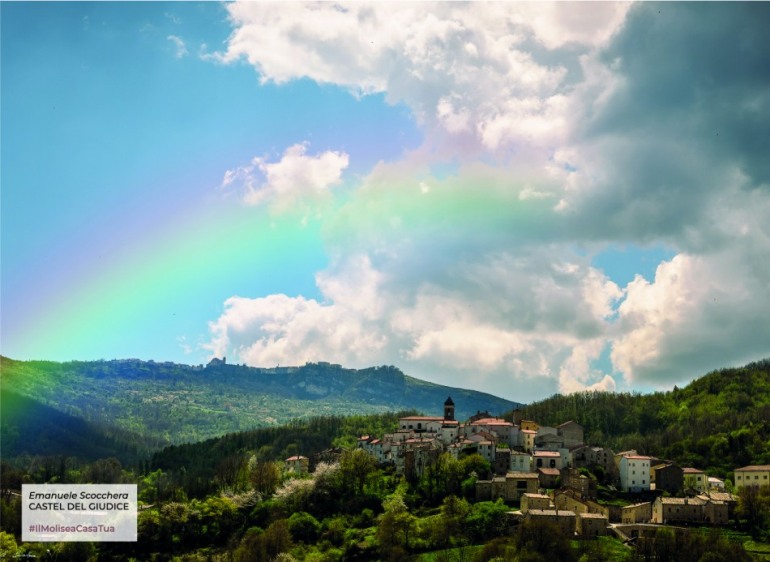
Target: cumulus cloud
[(279, 329), (670, 153), (468, 72), (572, 129), (705, 310), (294, 182), (490, 323)]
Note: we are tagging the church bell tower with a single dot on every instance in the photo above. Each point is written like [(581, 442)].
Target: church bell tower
[(449, 409)]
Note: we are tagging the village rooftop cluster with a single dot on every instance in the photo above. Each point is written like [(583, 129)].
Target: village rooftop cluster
[(539, 467)]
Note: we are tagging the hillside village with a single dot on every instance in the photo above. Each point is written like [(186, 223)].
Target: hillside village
[(554, 475)]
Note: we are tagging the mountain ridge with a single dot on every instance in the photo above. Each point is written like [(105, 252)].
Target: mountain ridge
[(183, 403)]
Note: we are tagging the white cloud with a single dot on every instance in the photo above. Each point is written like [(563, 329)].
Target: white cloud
[(701, 311), (557, 24), (499, 320), (294, 182), (179, 46), (463, 68), (576, 373), (573, 126), (279, 329)]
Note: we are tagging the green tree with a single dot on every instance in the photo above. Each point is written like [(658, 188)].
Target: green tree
[(264, 475), (487, 520), (754, 509), (395, 526), (8, 544), (355, 467), (304, 527), (449, 528), (541, 540)]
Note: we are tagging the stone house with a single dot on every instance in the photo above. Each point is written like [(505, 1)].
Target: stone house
[(585, 486), (534, 501), (502, 462), (722, 497), (548, 477), (571, 432), (667, 478), (678, 510), (700, 509), (570, 500), (518, 483), (636, 513), (592, 525), (716, 512), (565, 521), (591, 457), (509, 487), (550, 441)]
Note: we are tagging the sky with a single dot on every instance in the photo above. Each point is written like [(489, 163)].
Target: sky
[(518, 198)]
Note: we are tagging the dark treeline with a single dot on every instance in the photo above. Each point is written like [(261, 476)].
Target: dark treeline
[(194, 466), (718, 422), (30, 428)]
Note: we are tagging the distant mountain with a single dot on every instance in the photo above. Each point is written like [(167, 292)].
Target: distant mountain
[(181, 403)]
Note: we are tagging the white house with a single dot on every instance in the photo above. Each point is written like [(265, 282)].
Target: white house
[(634, 473)]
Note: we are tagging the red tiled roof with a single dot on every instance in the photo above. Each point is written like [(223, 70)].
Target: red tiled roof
[(754, 468), (491, 421)]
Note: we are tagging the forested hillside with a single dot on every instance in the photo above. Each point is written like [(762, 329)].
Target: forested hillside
[(197, 468), (718, 422), (30, 428), (181, 403)]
